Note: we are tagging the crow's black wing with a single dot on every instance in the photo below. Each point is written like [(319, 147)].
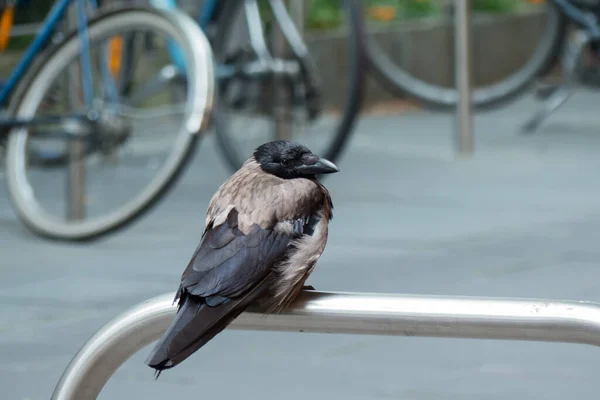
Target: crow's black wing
[(228, 262), (228, 271)]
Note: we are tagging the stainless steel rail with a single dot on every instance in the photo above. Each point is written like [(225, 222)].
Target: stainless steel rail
[(350, 313)]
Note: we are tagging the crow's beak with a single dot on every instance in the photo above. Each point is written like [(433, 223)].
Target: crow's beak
[(318, 167)]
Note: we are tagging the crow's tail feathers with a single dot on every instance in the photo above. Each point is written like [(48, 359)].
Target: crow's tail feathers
[(178, 336), (194, 325)]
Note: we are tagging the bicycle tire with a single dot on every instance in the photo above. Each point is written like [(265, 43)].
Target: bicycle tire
[(50, 159), (400, 83), (358, 66), (117, 17)]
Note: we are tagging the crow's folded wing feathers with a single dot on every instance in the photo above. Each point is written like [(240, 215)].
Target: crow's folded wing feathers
[(229, 262)]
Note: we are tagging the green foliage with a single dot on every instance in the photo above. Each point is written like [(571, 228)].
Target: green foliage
[(494, 6), (419, 8), (326, 13), (323, 14), (32, 11), (19, 42), (29, 11)]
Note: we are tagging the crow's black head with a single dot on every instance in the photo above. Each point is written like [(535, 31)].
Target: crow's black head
[(289, 160)]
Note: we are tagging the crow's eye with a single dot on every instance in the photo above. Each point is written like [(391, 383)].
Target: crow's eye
[(285, 163)]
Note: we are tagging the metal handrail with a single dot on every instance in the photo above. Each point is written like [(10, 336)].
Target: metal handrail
[(349, 313)]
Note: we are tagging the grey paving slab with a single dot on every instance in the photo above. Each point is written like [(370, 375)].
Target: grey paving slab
[(522, 218)]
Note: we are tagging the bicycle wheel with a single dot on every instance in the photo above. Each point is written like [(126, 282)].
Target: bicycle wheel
[(247, 114), (402, 78), (132, 165), (120, 65)]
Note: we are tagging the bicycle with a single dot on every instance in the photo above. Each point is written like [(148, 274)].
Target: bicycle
[(559, 14), (100, 118), (277, 90)]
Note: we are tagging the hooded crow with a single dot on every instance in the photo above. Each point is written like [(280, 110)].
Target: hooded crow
[(266, 227)]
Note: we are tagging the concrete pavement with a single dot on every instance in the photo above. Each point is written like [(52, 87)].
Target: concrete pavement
[(520, 219)]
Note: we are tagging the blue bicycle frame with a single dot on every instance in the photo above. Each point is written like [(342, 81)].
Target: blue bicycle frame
[(578, 16), (51, 22), (48, 27), (174, 52), (204, 17)]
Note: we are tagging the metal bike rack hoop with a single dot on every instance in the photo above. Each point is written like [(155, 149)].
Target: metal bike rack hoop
[(349, 313), (463, 71)]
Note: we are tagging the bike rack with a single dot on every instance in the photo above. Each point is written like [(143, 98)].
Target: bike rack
[(348, 313), (462, 47)]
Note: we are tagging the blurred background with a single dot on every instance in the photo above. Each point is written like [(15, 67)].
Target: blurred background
[(518, 217)]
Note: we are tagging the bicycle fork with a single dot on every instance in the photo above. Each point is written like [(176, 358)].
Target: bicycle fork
[(282, 71)]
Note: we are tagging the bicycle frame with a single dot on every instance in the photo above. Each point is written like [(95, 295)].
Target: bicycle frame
[(51, 22), (577, 15), (265, 64), (207, 13)]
